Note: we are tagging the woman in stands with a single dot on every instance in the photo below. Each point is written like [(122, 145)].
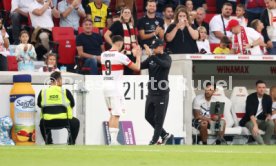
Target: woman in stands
[(203, 42), (50, 63), (25, 53), (181, 36), (124, 28), (4, 45)]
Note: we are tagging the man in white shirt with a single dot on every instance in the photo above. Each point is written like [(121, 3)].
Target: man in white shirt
[(19, 14), (219, 23), (41, 13), (245, 40), (202, 117)]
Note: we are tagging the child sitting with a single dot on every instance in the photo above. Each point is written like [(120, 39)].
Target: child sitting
[(223, 46), (50, 63), (25, 53), (203, 42)]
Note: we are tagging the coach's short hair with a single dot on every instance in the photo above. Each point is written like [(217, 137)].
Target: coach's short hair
[(211, 84), (117, 38)]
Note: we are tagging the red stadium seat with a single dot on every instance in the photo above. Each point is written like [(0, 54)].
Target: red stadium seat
[(7, 5), (94, 30), (209, 17), (12, 63), (212, 6), (67, 44)]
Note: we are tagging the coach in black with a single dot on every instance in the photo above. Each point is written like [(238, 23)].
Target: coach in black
[(158, 63)]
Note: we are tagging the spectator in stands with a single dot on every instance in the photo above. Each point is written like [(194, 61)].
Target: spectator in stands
[(70, 13), (50, 63), (161, 5), (240, 12), (19, 14), (189, 5), (125, 3), (202, 117), (259, 26), (168, 14), (220, 4), (63, 97), (193, 16), (203, 42), (90, 53), (124, 28), (100, 14), (150, 27), (273, 97), (41, 13), (200, 17), (181, 36), (245, 40), (223, 46), (219, 23), (4, 45), (86, 2), (200, 4), (254, 9), (258, 114), (268, 18), (25, 53)]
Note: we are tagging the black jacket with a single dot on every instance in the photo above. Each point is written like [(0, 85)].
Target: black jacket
[(159, 68), (252, 104), (265, 21)]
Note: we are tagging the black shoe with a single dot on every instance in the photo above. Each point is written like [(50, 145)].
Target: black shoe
[(153, 143), (167, 139), (218, 142)]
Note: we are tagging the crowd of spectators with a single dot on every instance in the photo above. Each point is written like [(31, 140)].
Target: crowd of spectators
[(181, 24)]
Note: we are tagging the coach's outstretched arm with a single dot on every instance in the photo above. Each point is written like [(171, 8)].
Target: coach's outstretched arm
[(137, 52)]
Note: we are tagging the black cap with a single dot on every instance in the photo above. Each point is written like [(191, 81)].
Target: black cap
[(156, 43)]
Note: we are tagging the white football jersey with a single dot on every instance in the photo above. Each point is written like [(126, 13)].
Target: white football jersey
[(113, 63)]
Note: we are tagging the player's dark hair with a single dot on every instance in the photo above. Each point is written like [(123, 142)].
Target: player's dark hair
[(55, 76), (117, 38), (211, 84), (260, 82)]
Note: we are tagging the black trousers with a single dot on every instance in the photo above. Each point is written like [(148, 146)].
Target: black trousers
[(156, 109), (74, 127), (3, 63)]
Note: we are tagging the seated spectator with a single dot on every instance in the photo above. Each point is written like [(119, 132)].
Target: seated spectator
[(203, 44), (189, 5), (90, 53), (203, 120), (200, 4), (25, 53), (70, 13), (4, 45), (124, 28), (150, 26), (268, 19), (258, 114), (62, 97), (223, 46), (254, 9), (99, 13), (240, 12), (19, 14), (259, 26), (219, 23), (50, 63), (181, 36), (200, 17), (245, 40), (41, 13), (168, 15), (273, 97)]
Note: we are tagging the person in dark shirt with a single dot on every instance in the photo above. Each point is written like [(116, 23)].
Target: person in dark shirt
[(56, 90), (150, 27), (158, 64), (200, 17), (181, 36), (126, 29), (88, 51)]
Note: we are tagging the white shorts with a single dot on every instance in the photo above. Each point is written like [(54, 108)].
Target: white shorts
[(115, 105)]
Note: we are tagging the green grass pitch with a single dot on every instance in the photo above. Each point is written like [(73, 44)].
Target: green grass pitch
[(138, 155)]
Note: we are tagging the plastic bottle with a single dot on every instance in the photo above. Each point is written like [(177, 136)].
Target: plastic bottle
[(22, 110)]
